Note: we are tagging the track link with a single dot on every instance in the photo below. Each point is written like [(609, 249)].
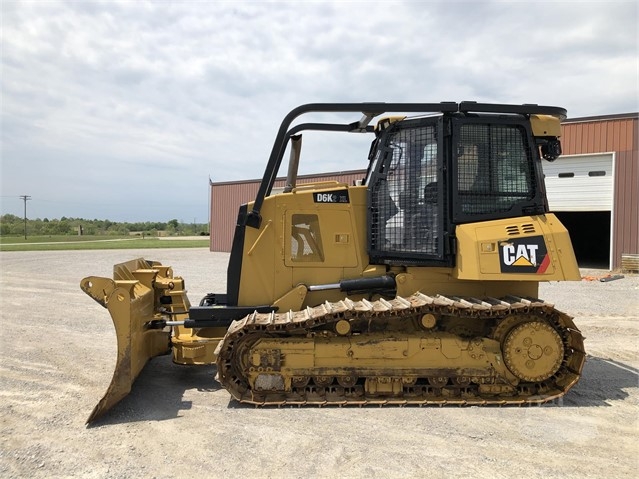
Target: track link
[(499, 317)]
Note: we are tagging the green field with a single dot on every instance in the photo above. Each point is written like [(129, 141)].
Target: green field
[(66, 242)]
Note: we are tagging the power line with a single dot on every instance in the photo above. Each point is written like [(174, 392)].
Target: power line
[(25, 198)]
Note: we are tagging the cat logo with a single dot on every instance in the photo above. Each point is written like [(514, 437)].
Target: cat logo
[(524, 255)]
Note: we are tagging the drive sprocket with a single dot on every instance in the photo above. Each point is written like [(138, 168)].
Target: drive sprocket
[(533, 351)]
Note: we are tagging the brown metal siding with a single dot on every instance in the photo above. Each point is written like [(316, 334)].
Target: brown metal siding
[(621, 136), (626, 225), (226, 198), (225, 203)]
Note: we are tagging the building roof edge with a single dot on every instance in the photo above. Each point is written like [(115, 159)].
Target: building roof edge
[(616, 116)]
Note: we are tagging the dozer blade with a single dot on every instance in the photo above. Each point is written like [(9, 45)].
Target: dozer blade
[(139, 297)]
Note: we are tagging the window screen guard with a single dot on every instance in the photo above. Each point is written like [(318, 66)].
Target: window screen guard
[(494, 171), (406, 197)]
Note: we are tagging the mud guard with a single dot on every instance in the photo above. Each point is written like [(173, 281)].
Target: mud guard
[(140, 292)]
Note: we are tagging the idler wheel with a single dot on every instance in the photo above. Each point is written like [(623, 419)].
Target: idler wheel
[(533, 351)]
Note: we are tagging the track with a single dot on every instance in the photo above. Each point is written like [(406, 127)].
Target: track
[(508, 323)]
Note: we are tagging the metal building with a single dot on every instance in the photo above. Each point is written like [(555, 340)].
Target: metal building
[(593, 187)]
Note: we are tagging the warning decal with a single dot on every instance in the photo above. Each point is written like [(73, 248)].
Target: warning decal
[(524, 255)]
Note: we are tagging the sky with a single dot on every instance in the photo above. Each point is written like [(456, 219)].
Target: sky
[(124, 110)]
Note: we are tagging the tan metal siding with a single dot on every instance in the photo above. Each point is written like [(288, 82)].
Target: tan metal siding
[(598, 136)]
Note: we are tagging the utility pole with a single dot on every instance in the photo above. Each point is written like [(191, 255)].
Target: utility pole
[(25, 198)]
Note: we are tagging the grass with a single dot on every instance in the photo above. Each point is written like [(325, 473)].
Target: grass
[(58, 243)]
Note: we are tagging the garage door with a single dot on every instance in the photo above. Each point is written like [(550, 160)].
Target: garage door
[(580, 182)]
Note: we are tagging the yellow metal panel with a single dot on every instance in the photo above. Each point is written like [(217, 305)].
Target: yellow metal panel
[(530, 248), (432, 281), (262, 260), (545, 125), (270, 269)]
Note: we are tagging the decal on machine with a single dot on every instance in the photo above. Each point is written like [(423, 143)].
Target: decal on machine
[(524, 255), (338, 196)]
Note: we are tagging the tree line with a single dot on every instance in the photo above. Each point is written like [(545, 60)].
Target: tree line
[(12, 225)]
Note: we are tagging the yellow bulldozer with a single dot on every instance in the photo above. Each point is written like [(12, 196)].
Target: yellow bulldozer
[(417, 285)]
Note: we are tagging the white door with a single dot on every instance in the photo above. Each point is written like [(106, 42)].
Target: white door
[(580, 182)]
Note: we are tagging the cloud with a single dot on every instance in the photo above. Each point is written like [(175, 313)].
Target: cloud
[(122, 110)]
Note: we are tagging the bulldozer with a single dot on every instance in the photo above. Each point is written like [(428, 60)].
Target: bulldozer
[(417, 285)]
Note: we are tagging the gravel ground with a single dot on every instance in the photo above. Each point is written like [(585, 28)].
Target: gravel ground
[(58, 352)]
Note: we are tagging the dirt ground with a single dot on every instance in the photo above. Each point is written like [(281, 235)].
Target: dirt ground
[(58, 351)]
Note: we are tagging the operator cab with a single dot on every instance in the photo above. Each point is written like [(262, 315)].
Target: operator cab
[(427, 175)]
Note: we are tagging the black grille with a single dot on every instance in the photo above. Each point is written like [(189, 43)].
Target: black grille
[(494, 168), (404, 199)]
